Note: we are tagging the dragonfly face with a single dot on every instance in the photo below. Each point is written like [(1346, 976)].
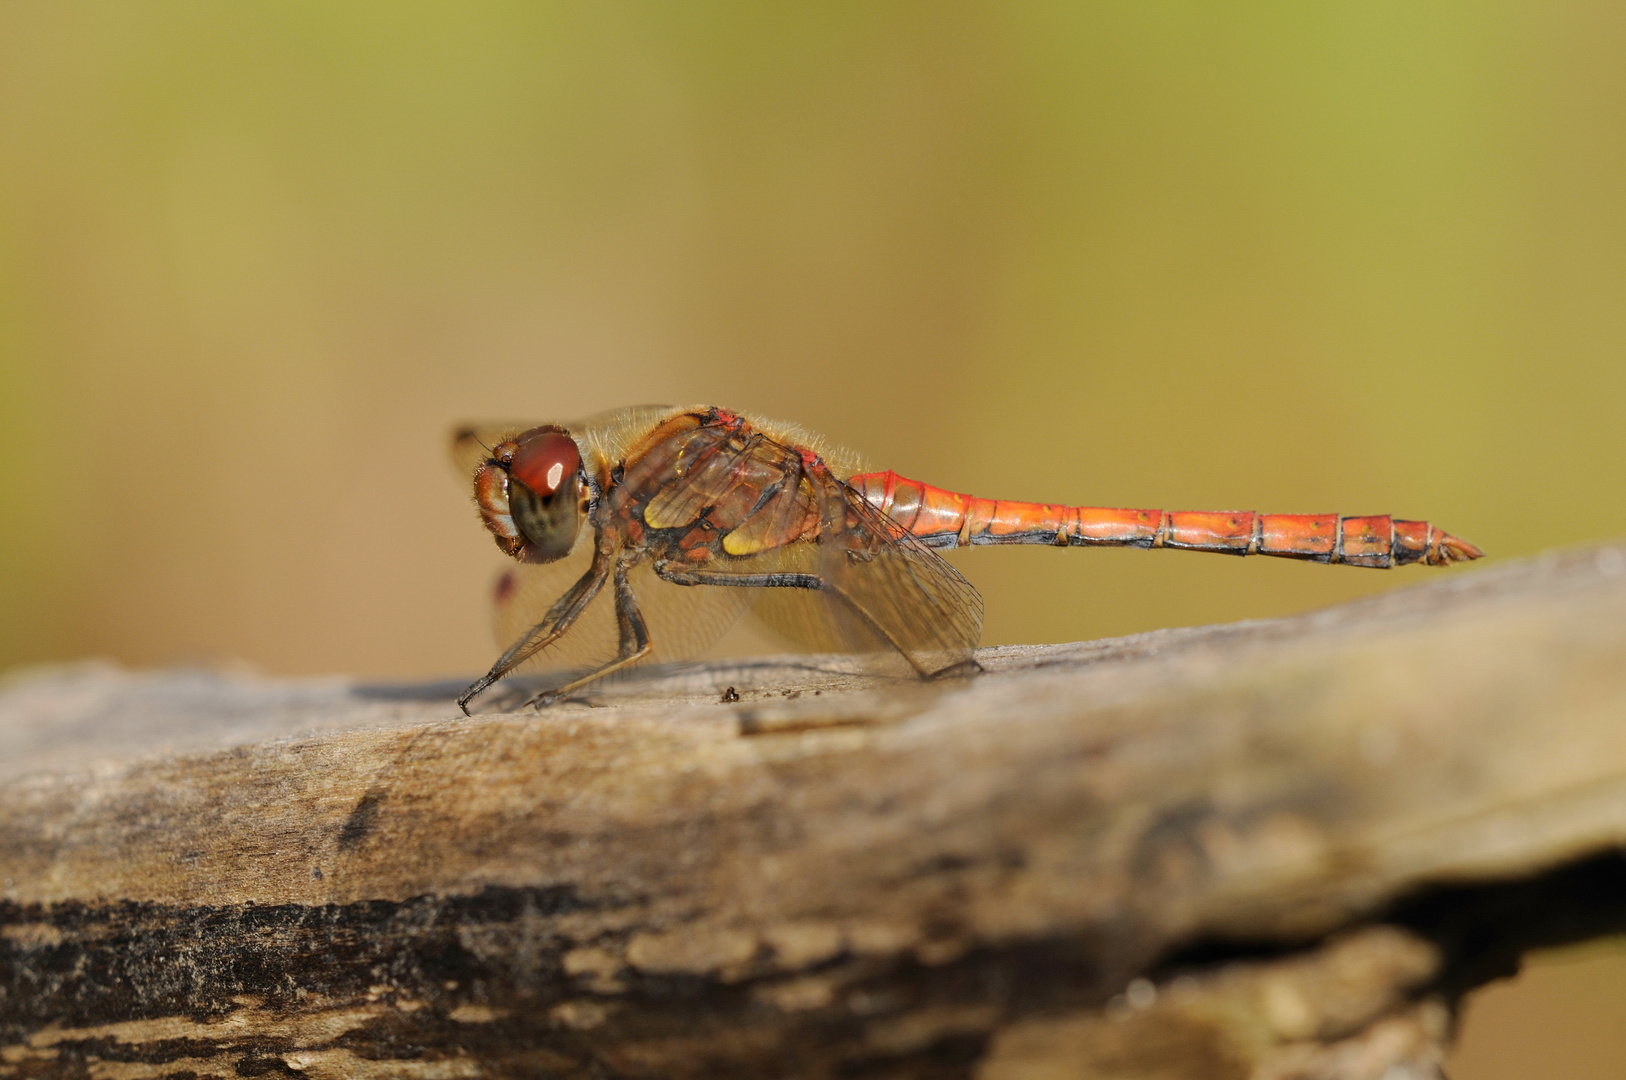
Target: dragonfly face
[(533, 494)]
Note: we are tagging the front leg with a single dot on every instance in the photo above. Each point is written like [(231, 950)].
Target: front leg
[(633, 632), (560, 618)]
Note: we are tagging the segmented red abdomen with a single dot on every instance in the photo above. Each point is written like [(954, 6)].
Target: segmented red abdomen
[(948, 519)]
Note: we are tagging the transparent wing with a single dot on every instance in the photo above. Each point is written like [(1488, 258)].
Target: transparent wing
[(806, 619), (883, 590), (683, 621), (719, 475), (898, 587), (525, 592)]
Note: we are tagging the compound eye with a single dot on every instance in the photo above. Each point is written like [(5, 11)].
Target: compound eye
[(545, 462), (543, 492)]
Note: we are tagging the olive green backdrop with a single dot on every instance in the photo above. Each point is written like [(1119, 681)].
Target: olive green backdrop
[(256, 258)]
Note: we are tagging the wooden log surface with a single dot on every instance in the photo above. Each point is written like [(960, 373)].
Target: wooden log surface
[(1274, 849)]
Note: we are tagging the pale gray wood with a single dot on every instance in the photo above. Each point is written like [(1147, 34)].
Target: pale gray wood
[(1066, 867)]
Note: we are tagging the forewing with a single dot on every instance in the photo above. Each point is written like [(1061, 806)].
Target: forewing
[(785, 510), (706, 472)]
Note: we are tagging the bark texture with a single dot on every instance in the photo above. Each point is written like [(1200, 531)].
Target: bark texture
[(1273, 850)]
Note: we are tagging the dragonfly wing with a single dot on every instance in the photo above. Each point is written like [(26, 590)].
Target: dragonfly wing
[(896, 586), (682, 621), (806, 619), (882, 589), (526, 591), (715, 474)]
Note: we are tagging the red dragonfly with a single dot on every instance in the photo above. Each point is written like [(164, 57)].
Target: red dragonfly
[(696, 514)]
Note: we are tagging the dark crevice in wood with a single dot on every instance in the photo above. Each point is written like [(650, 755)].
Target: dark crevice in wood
[(121, 962), (1484, 930)]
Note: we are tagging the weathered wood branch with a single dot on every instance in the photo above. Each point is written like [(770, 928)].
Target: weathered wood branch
[(1276, 849)]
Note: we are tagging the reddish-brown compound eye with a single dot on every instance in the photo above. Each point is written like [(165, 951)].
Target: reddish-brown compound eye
[(543, 492), (546, 461)]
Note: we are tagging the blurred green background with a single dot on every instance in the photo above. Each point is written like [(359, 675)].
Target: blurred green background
[(255, 259)]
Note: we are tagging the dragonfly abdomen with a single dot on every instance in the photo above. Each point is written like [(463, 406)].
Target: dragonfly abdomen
[(944, 518)]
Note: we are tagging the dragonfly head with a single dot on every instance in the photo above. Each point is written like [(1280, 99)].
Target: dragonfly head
[(532, 494)]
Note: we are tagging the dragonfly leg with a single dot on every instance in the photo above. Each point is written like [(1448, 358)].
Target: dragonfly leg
[(633, 632), (739, 581), (560, 617), (792, 581)]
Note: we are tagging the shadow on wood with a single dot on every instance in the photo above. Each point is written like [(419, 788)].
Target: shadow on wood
[(1276, 849)]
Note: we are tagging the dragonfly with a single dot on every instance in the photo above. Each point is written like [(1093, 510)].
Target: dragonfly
[(650, 530)]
